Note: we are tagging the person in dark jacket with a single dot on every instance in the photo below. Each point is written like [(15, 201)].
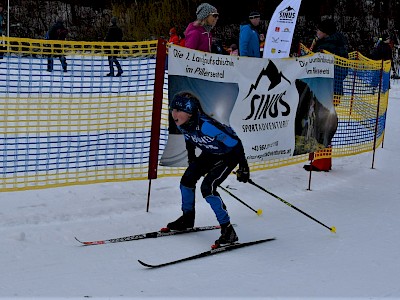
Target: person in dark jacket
[(222, 151), (57, 32), (114, 34), (382, 51), (329, 39)]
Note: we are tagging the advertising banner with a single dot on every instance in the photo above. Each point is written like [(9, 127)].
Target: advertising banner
[(278, 39), (277, 107)]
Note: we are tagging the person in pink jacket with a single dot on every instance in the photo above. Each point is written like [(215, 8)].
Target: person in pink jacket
[(198, 33)]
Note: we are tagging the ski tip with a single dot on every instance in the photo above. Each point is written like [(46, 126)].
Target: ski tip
[(78, 240), (144, 264), (90, 243)]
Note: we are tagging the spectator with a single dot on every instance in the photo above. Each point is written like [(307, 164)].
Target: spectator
[(198, 33), (249, 41), (222, 151), (382, 51), (114, 34), (262, 44), (181, 39), (329, 39), (57, 32), (218, 47), (233, 50), (173, 37)]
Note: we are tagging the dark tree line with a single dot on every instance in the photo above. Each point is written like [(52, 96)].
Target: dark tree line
[(362, 21)]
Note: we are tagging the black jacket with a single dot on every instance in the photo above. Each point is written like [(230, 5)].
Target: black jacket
[(382, 51), (114, 34), (335, 43), (58, 31)]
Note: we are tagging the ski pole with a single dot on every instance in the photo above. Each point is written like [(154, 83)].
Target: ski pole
[(332, 229), (258, 211)]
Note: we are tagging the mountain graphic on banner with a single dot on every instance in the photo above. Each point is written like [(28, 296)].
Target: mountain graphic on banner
[(272, 73)]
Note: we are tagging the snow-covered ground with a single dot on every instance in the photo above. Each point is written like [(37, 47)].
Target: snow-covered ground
[(39, 256)]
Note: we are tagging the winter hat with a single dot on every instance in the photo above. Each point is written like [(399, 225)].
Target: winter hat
[(204, 10), (184, 103), (114, 20), (172, 30), (327, 26), (254, 14)]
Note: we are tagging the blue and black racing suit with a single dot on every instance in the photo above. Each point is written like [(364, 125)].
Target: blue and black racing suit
[(222, 151)]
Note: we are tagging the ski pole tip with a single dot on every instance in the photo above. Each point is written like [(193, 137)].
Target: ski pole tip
[(333, 229), (259, 212)]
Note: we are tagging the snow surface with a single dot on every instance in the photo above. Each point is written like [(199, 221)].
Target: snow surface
[(39, 256)]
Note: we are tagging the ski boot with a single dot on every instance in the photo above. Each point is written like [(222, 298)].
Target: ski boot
[(228, 236), (182, 223)]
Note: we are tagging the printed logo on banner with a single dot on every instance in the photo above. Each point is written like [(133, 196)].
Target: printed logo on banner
[(288, 13), (264, 106), (264, 118), (277, 29)]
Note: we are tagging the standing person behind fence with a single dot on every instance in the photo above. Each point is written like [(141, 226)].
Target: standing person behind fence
[(249, 40), (57, 32), (198, 33), (114, 34), (382, 51), (262, 44), (222, 151), (173, 36), (329, 39)]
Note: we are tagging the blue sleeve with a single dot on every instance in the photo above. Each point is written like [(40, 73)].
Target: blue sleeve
[(211, 130), (244, 40)]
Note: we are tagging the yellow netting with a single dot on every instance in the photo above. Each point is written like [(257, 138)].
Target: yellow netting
[(80, 126)]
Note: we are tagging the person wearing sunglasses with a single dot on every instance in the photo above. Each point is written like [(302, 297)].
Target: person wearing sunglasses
[(198, 33), (249, 40)]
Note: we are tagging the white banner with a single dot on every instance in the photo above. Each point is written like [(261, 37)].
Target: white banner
[(278, 39), (278, 108)]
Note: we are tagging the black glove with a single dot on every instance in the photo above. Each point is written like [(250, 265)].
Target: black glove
[(243, 174)]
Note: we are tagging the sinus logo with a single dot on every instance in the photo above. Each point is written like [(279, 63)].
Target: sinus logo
[(264, 105), (287, 14)]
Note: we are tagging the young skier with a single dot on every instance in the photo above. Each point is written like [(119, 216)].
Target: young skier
[(222, 151)]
